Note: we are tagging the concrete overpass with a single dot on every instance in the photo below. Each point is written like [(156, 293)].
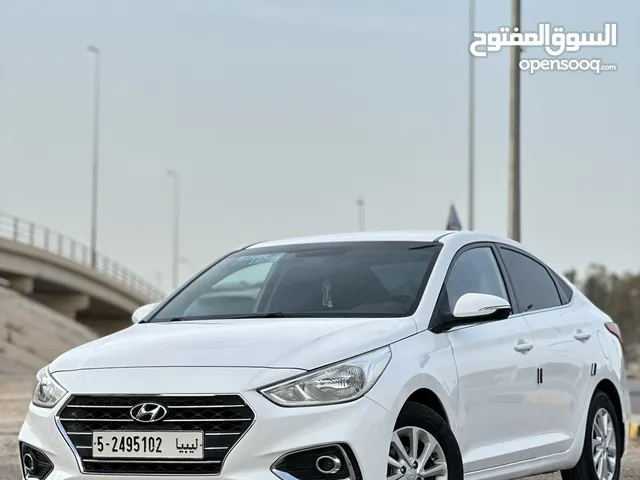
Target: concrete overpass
[(56, 271)]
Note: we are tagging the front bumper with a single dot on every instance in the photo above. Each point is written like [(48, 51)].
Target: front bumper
[(364, 426)]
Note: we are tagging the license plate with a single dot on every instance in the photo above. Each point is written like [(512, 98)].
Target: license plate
[(161, 445)]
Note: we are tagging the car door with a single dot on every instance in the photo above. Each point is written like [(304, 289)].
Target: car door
[(495, 379), (564, 350)]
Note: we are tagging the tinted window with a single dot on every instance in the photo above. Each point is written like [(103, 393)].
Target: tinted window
[(236, 293), (475, 271), (400, 278), (567, 291), (534, 287), (323, 280)]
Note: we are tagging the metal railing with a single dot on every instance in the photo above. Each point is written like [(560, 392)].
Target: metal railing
[(30, 233)]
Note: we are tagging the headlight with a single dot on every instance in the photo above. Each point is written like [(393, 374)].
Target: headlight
[(48, 392), (338, 383)]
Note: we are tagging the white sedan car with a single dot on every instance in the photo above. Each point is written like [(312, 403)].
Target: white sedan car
[(433, 356)]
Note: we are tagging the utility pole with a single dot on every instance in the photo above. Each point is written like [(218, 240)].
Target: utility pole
[(514, 131), (176, 226), (360, 204), (471, 138), (96, 149)]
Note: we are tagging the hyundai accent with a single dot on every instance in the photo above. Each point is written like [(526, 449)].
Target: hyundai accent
[(409, 355)]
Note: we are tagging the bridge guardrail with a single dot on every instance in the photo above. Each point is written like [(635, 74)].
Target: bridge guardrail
[(30, 233)]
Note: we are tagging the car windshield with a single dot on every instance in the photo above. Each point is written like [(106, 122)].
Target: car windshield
[(348, 279)]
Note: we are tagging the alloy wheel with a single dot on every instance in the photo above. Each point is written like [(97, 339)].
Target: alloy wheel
[(603, 445), (415, 454)]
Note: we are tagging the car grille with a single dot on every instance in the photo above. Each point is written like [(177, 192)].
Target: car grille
[(222, 418)]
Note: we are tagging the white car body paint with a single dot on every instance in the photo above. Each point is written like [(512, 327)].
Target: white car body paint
[(507, 425)]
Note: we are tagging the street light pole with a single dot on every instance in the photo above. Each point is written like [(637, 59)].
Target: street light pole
[(96, 151), (176, 225), (360, 204), (514, 131), (471, 133)]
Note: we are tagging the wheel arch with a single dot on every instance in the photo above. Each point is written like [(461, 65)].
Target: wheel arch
[(428, 398), (607, 387)]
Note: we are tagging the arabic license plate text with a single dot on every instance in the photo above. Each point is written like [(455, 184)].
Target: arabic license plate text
[(161, 445)]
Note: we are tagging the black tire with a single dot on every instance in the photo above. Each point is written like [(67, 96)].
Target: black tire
[(417, 415), (585, 469)]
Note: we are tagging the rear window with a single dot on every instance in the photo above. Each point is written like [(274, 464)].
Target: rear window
[(567, 291), (353, 279)]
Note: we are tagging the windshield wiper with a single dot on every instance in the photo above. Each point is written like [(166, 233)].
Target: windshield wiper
[(228, 317), (273, 315), (236, 317), (259, 315)]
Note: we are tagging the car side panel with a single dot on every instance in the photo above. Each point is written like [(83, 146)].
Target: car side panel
[(422, 361), (609, 357), (610, 369), (563, 396), (496, 383)]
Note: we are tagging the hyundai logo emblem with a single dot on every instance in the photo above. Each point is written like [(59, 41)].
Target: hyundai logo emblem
[(148, 412)]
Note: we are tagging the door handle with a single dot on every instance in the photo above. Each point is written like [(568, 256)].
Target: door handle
[(582, 336), (523, 347)]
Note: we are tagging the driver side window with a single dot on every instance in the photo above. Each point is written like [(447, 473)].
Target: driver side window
[(475, 271)]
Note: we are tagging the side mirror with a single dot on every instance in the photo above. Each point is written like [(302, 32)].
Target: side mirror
[(481, 307), (142, 312)]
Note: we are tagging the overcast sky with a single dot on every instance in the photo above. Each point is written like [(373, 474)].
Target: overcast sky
[(279, 114)]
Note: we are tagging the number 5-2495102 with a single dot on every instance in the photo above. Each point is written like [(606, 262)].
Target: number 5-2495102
[(187, 445)]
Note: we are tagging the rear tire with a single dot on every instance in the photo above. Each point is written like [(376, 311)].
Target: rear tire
[(423, 446), (601, 453)]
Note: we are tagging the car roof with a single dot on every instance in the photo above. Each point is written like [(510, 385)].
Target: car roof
[(443, 236)]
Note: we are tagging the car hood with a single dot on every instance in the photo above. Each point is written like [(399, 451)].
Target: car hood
[(303, 343)]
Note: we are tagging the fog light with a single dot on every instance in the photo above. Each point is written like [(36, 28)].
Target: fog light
[(328, 464), (29, 464), (323, 462), (35, 464)]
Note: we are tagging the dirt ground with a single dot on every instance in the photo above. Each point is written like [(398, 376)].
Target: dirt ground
[(15, 393)]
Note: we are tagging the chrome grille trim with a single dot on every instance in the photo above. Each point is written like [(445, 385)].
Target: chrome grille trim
[(191, 462), (186, 405), (102, 420)]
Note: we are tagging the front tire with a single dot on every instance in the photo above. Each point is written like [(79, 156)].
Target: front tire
[(423, 447), (602, 452)]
